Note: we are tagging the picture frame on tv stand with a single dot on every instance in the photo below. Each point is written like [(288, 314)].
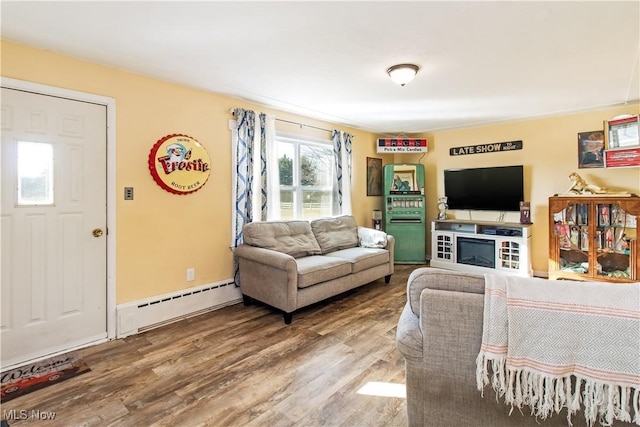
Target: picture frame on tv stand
[(525, 212)]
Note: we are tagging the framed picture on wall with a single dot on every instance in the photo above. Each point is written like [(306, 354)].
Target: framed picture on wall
[(591, 149), (623, 132), (374, 176)]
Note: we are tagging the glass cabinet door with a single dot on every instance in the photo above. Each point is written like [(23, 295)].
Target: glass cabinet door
[(571, 226), (444, 247), (594, 238), (614, 231), (509, 255)]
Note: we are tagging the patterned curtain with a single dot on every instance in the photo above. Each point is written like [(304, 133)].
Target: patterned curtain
[(250, 177), (243, 188), (342, 178), (263, 167)]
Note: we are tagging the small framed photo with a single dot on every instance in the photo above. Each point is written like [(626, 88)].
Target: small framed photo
[(525, 212), (604, 215), (575, 237), (583, 214), (374, 176), (584, 238), (564, 235), (621, 241), (591, 149), (609, 238)]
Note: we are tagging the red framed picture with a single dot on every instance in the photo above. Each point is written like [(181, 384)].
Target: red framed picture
[(622, 158)]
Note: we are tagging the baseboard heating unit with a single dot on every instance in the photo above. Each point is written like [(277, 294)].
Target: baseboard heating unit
[(142, 315)]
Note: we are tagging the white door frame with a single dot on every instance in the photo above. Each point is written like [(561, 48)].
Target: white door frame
[(110, 104)]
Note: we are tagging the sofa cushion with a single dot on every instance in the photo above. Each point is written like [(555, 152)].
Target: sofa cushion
[(335, 233), (362, 258), (317, 269), (294, 238)]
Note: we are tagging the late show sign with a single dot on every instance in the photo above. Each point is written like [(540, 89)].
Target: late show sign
[(179, 164), (486, 148)]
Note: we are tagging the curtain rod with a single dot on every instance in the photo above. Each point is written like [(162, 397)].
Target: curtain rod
[(302, 124), (232, 111)]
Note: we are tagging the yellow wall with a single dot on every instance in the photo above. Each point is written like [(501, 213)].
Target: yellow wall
[(152, 257), (549, 155), (160, 235)]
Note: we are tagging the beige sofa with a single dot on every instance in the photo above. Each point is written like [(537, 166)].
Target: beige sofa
[(439, 334), (292, 264)]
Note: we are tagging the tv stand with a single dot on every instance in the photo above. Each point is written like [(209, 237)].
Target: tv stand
[(481, 246)]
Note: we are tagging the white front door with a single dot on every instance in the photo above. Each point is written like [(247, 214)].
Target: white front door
[(53, 291)]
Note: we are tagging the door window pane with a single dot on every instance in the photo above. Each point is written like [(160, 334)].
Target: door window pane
[(35, 173)]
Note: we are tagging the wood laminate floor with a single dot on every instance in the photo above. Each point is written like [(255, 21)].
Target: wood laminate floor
[(242, 366)]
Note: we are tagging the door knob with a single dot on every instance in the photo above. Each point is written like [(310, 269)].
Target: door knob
[(97, 232)]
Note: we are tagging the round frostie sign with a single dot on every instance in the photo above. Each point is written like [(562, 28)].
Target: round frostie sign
[(179, 164)]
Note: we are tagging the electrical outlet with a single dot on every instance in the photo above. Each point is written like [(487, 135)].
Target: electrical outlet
[(191, 274)]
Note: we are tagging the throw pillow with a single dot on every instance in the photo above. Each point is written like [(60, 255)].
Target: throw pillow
[(294, 238), (335, 233)]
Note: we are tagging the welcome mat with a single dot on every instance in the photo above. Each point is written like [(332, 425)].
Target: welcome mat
[(34, 376)]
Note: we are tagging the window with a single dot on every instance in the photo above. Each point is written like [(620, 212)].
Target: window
[(35, 173), (306, 172)]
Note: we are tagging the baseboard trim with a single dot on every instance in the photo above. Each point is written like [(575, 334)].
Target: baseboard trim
[(139, 316)]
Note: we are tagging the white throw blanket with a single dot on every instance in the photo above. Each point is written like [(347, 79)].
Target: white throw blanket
[(370, 238), (551, 345)]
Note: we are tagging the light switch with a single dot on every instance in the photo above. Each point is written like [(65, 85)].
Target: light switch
[(128, 193)]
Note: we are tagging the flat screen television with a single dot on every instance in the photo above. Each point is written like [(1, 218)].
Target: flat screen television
[(498, 188)]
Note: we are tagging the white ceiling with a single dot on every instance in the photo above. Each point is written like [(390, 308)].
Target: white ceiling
[(481, 62)]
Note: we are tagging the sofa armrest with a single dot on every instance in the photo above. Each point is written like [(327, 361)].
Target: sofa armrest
[(409, 335), (268, 276), (264, 256), (391, 242), (451, 323), (440, 279)]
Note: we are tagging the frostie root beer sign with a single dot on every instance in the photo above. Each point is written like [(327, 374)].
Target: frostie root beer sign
[(179, 164)]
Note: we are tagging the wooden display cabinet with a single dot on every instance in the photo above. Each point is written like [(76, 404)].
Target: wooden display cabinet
[(594, 238)]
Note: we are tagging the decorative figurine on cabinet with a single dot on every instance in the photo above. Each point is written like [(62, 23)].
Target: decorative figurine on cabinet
[(442, 208), (580, 186)]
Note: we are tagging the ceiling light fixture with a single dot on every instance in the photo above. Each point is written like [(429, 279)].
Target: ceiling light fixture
[(402, 73)]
